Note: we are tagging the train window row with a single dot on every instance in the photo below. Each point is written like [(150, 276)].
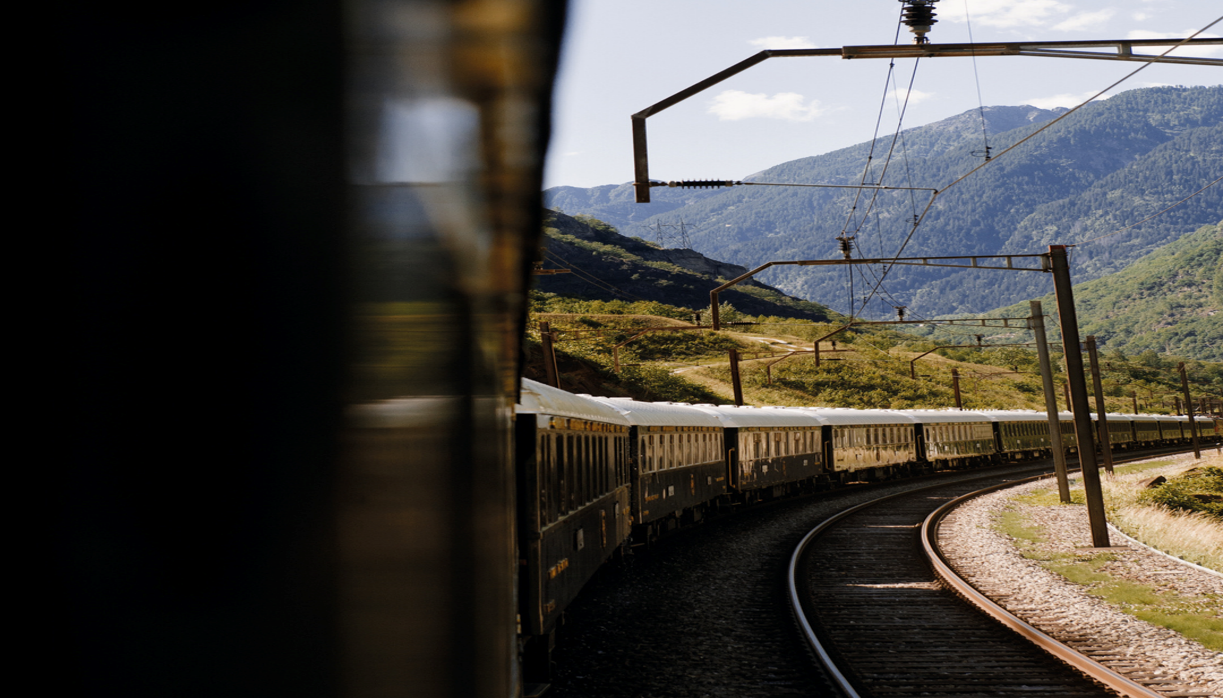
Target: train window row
[(1025, 428), (678, 447), (762, 443), (858, 437), (579, 467), (959, 432)]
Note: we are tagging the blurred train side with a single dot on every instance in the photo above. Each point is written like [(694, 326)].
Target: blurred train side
[(301, 241)]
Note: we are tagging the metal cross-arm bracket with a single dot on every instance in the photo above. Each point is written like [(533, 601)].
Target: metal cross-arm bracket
[(958, 262), (1123, 50)]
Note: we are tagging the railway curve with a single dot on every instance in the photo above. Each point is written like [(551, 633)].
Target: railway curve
[(887, 615)]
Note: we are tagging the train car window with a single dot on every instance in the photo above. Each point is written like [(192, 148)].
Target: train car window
[(545, 478), (582, 466), (601, 444), (566, 453)]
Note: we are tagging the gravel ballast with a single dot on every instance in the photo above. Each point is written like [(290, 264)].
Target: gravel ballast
[(993, 562)]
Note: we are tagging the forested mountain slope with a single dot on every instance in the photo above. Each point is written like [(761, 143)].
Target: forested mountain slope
[(1169, 302), (1105, 167)]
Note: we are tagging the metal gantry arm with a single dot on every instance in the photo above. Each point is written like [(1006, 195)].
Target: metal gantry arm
[(964, 262), (1122, 50)]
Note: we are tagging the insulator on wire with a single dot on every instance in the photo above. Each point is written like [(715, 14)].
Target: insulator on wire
[(900, 312), (846, 243), (918, 16), (702, 183)]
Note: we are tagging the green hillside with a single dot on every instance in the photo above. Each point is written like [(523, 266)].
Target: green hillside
[(1168, 302), (607, 266)]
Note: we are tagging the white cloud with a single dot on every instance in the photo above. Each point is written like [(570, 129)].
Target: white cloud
[(1200, 51), (1084, 20), (915, 96), (1062, 100), (1009, 13), (1141, 16), (768, 42), (733, 105)]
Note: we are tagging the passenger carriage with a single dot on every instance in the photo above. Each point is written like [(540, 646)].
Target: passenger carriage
[(870, 444), (1146, 430), (1170, 429), (1021, 434), (955, 438), (677, 459), (1120, 430), (573, 499), (770, 451), (1070, 437)]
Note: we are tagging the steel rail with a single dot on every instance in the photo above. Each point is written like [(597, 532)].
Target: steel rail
[(843, 684), (1085, 664)]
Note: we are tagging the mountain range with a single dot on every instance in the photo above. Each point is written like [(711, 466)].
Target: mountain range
[(1106, 167)]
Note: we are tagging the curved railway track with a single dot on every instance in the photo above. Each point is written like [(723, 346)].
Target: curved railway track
[(886, 615)]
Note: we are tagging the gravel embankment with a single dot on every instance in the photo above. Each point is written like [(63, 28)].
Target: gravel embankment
[(991, 561)]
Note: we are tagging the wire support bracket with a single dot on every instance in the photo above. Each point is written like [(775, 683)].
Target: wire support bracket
[(1123, 50)]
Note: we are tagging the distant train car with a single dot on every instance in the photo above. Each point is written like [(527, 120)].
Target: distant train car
[(573, 490), (1070, 437), (954, 438), (1146, 430), (1170, 431), (678, 463), (770, 451), (870, 444), (1120, 430), (1021, 434)]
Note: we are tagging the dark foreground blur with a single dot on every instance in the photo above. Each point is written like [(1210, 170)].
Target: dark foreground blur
[(301, 236)]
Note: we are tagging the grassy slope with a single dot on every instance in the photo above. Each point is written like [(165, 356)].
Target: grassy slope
[(868, 368)]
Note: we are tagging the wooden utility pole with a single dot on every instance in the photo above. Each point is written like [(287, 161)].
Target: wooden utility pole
[(1193, 427), (1078, 395), (1106, 444), (545, 339), (734, 377), (1037, 323), (955, 385)]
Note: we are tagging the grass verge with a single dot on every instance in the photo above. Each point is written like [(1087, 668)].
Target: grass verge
[(1192, 535)]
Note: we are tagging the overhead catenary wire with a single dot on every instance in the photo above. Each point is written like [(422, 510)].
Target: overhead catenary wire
[(977, 78), (887, 82), (1049, 124), (901, 110), (1043, 128)]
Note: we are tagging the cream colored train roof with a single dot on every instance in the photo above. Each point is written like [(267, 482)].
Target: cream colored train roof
[(538, 398)]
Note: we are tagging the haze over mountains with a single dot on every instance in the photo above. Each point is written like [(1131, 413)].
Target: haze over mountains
[(1108, 166)]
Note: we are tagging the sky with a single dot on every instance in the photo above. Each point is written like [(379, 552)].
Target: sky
[(621, 56)]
